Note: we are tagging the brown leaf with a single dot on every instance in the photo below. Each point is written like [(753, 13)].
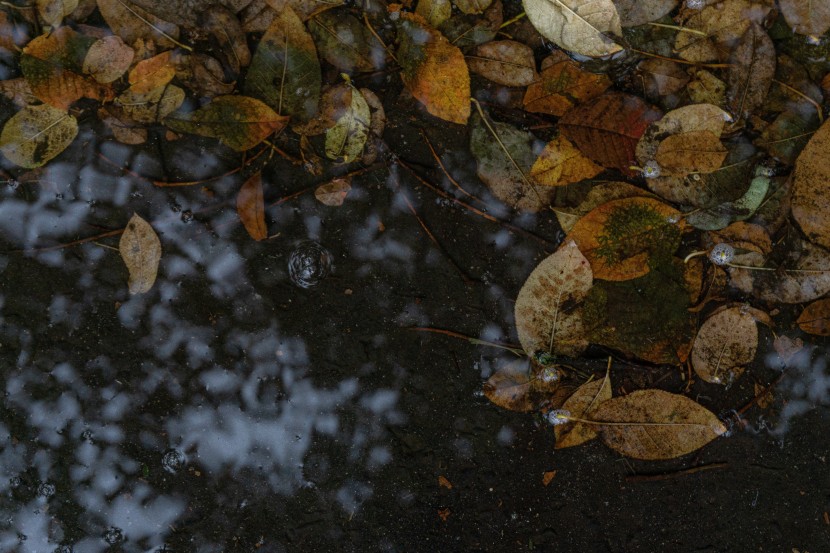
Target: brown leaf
[(140, 249), (815, 319), (548, 476), (561, 86), (662, 77), (333, 193), (510, 388), (107, 59), (653, 425), (228, 37), (547, 307), (726, 342), (444, 483), (251, 207), (752, 69), (152, 73), (585, 27), (807, 17), (560, 163), (132, 23), (691, 152), (582, 404), (810, 202), (607, 130), (433, 70), (639, 12), (52, 12), (505, 62)]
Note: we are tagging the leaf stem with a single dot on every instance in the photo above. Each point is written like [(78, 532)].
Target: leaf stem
[(162, 33)]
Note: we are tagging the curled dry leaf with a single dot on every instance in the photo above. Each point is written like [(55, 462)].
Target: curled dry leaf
[(810, 202), (607, 130), (561, 86), (333, 193), (547, 310), (140, 249), (250, 206), (433, 69), (585, 27), (36, 134), (653, 425), (620, 237), (582, 404), (815, 319), (238, 121), (560, 163), (505, 62), (726, 342)]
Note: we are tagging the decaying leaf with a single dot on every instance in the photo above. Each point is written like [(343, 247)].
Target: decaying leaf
[(509, 388), (563, 85), (505, 62), (346, 139), (284, 71), (140, 249), (726, 342), (250, 206), (36, 134), (52, 12), (599, 194), (752, 69), (132, 22), (344, 41), (152, 105), (433, 69), (582, 404), (585, 27), (811, 203), (238, 121), (807, 17), (107, 59), (560, 163), (691, 152), (152, 73), (548, 317), (653, 424), (435, 12), (620, 238), (333, 193), (607, 130), (639, 12), (815, 319)]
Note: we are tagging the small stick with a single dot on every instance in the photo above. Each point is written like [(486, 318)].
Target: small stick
[(674, 474), (509, 347), (115, 232), (444, 169)]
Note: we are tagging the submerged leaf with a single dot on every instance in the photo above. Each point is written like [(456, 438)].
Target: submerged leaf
[(815, 319), (505, 62), (752, 69), (811, 203), (132, 23), (560, 163), (333, 193), (725, 343), (36, 134), (561, 86), (582, 404), (433, 69), (581, 26), (250, 206), (346, 139), (807, 17), (140, 249), (653, 424)]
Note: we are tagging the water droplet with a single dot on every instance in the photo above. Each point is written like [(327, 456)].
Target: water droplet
[(173, 461), (722, 254), (308, 264)]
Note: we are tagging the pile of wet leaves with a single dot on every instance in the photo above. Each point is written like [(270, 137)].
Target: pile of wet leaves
[(681, 146)]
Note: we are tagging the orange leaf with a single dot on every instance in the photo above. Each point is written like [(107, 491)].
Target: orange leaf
[(548, 476), (333, 193), (251, 207), (561, 86), (152, 73), (815, 319), (444, 483), (434, 70)]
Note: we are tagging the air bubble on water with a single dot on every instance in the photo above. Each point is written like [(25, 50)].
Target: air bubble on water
[(173, 461), (308, 264), (46, 489), (559, 416), (722, 254), (187, 216), (63, 549), (695, 4), (651, 170), (113, 535)]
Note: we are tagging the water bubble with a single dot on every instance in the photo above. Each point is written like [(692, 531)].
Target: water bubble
[(173, 461), (558, 416), (549, 375), (46, 489), (695, 4), (722, 254), (308, 264), (651, 170), (113, 535), (187, 216)]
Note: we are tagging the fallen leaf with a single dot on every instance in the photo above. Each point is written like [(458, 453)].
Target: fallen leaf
[(721, 24), (435, 12), (620, 238), (607, 130), (36, 134), (107, 59), (726, 342), (472, 6), (467, 31), (140, 249), (444, 483), (810, 202), (52, 12), (547, 309), (433, 70), (639, 12), (124, 129), (505, 62), (510, 388), (581, 26), (238, 121), (228, 40), (815, 319), (653, 425), (807, 17), (284, 71), (53, 66), (764, 399), (691, 152), (548, 476), (346, 139), (333, 193), (786, 137), (345, 42), (786, 347), (560, 163), (251, 207), (506, 173), (153, 105), (751, 72), (718, 217), (561, 86), (662, 77), (152, 73), (131, 23), (582, 404)]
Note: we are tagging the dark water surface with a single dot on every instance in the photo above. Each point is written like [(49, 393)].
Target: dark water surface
[(231, 409)]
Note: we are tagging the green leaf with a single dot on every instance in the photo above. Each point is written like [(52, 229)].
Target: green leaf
[(346, 139), (36, 134)]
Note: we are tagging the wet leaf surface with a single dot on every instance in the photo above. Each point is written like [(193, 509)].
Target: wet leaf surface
[(726, 342), (585, 27), (582, 404), (140, 250), (250, 206), (37, 134), (815, 319)]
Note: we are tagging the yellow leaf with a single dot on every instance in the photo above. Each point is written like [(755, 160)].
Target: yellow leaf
[(140, 249)]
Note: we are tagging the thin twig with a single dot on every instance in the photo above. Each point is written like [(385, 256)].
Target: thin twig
[(509, 347), (674, 474), (444, 169)]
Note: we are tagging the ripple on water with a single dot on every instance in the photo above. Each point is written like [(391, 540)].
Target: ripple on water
[(308, 264)]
